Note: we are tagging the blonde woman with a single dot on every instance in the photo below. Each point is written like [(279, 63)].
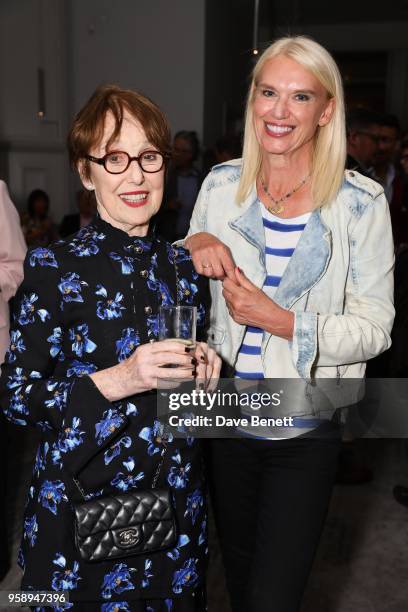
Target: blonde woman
[(300, 257)]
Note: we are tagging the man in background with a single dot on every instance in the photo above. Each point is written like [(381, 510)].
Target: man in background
[(389, 175), (362, 140), (86, 207)]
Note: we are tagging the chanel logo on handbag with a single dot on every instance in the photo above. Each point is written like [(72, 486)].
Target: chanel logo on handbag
[(128, 537)]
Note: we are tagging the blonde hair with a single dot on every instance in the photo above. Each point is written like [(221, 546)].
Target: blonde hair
[(329, 152)]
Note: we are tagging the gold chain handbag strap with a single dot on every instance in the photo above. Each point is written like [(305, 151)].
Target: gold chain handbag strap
[(176, 272)]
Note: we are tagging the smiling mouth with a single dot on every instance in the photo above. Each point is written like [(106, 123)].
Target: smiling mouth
[(134, 200), (278, 130)]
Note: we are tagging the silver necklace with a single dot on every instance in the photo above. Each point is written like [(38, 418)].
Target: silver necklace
[(278, 207)]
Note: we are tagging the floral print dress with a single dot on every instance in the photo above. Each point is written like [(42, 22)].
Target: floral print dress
[(85, 304)]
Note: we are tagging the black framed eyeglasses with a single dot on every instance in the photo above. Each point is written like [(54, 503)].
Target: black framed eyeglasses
[(116, 162)]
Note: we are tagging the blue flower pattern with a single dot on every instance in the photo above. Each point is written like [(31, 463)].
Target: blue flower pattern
[(65, 580), (16, 345), (128, 342), (68, 439), (116, 449), (30, 529), (51, 494), (154, 437), (81, 343), (195, 501), (109, 308), (124, 482), (43, 257), (70, 287), (117, 581), (178, 475), (110, 422), (55, 339), (186, 576), (79, 304)]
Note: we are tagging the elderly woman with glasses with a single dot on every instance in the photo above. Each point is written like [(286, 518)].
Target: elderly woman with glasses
[(300, 257), (84, 365)]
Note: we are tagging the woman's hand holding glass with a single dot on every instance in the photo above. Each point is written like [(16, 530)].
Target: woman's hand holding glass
[(143, 370), (153, 363), (211, 257)]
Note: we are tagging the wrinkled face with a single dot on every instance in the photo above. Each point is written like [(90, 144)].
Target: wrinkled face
[(128, 200), (387, 144), (289, 105)]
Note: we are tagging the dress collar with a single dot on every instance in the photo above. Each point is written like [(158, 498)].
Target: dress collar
[(114, 238)]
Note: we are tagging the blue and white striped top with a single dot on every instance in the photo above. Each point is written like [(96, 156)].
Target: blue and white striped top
[(281, 238)]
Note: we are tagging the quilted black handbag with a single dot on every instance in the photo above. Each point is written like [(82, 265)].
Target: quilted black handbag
[(131, 523)]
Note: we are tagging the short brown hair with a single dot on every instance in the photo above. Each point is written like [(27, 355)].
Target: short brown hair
[(88, 126)]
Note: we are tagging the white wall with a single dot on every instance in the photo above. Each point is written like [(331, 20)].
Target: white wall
[(155, 46), (32, 148)]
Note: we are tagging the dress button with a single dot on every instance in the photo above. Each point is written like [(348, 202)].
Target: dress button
[(138, 250), (143, 273), (148, 310), (351, 173)]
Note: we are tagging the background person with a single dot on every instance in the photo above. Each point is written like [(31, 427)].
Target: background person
[(182, 186), (12, 253), (38, 226), (362, 140), (389, 175), (300, 258), (86, 211), (84, 366)]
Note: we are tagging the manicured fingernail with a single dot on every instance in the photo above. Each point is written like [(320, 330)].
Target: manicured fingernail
[(194, 361), (202, 357), (239, 270), (187, 349)]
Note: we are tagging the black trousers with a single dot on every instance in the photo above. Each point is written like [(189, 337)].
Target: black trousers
[(270, 501)]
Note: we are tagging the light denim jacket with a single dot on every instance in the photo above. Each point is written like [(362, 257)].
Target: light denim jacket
[(338, 283)]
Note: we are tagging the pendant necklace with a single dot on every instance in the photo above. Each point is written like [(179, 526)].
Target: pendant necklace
[(278, 207)]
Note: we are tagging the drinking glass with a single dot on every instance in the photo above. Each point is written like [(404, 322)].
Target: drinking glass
[(178, 323)]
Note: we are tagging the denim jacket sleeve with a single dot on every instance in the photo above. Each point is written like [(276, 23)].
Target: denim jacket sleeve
[(198, 221), (363, 330)]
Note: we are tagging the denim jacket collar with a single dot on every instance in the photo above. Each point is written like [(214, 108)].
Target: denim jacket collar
[(307, 264), (250, 224)]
